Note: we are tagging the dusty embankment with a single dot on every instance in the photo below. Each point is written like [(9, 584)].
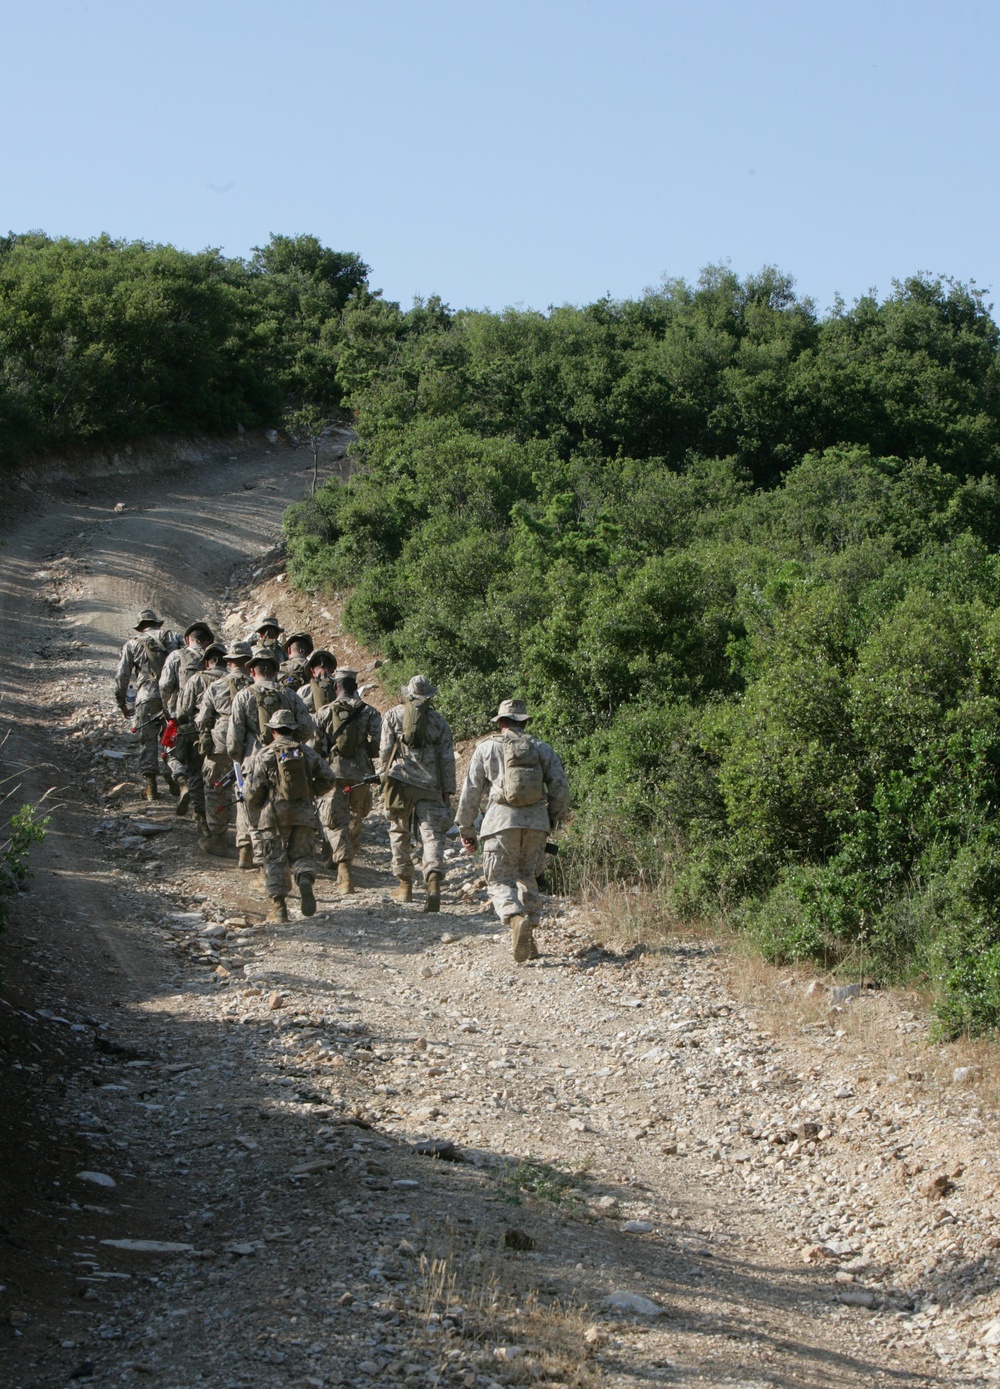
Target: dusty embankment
[(796, 1191)]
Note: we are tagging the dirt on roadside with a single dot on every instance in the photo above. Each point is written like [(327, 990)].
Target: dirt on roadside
[(364, 1148)]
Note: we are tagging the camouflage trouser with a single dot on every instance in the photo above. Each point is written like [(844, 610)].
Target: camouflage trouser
[(184, 760), (148, 724), (220, 800), (433, 819), (512, 861), (342, 816), (291, 847)]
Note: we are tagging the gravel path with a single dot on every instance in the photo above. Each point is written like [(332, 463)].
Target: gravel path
[(364, 1148)]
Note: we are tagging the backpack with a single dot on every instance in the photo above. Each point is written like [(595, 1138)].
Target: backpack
[(268, 702), (192, 662), (294, 783), (416, 717), (156, 654), (344, 727), (523, 778), (323, 691)]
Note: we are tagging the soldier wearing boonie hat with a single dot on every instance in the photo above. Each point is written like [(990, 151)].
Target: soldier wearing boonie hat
[(319, 688), (140, 665), (349, 736), (418, 778), (281, 786), (212, 723), (528, 797)]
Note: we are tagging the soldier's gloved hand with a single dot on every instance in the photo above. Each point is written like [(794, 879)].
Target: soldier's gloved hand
[(205, 744), (469, 844)]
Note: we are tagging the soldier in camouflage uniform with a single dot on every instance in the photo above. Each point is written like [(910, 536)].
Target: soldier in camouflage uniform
[(183, 758), (350, 733), (212, 722), (141, 664), (418, 773), (319, 688), (528, 797), (294, 670), (253, 707), (268, 631), (283, 782)]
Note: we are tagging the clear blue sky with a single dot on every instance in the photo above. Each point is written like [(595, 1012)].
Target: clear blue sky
[(518, 153)]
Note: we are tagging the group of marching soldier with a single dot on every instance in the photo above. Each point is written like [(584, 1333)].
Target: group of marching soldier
[(277, 736)]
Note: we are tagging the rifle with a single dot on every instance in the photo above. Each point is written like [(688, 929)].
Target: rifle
[(234, 775), (365, 781)]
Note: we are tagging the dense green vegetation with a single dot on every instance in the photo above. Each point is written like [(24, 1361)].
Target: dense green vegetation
[(742, 562), (111, 340)]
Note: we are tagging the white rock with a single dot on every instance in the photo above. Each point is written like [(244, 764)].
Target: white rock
[(633, 1302), (857, 1297), (637, 1227), (991, 1334), (97, 1178)]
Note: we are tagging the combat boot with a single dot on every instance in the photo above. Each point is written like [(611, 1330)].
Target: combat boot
[(520, 928), (345, 885), (168, 777), (433, 903), (181, 807), (214, 844), (278, 912), (307, 896), (151, 793), (246, 856), (403, 893)]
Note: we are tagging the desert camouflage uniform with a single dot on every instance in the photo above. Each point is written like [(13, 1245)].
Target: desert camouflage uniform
[(513, 837), (286, 828), (416, 782), (340, 814), (134, 668)]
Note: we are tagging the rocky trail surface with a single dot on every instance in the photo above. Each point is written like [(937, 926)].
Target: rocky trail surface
[(364, 1149)]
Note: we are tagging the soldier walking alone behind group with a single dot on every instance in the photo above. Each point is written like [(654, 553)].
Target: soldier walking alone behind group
[(528, 797), (418, 773)]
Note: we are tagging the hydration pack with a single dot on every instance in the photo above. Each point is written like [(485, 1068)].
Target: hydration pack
[(268, 702), (344, 727), (523, 776), (293, 775), (156, 654), (192, 661), (416, 716), (323, 690)]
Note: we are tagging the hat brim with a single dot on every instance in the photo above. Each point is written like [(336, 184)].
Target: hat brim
[(141, 626), (511, 718)]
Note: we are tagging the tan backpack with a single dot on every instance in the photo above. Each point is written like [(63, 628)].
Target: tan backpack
[(416, 717), (294, 783), (523, 782)]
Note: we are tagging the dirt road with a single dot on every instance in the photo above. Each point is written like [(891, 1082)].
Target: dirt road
[(213, 1131)]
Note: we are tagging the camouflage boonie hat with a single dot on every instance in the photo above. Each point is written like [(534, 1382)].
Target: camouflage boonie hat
[(303, 638), (282, 719), (147, 618), (199, 627), (269, 624), (260, 658), (216, 648), (239, 651), (344, 673), (322, 657), (420, 687), (514, 709)]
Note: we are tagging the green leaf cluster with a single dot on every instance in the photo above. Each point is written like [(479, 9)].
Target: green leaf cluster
[(743, 564), (114, 340)]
